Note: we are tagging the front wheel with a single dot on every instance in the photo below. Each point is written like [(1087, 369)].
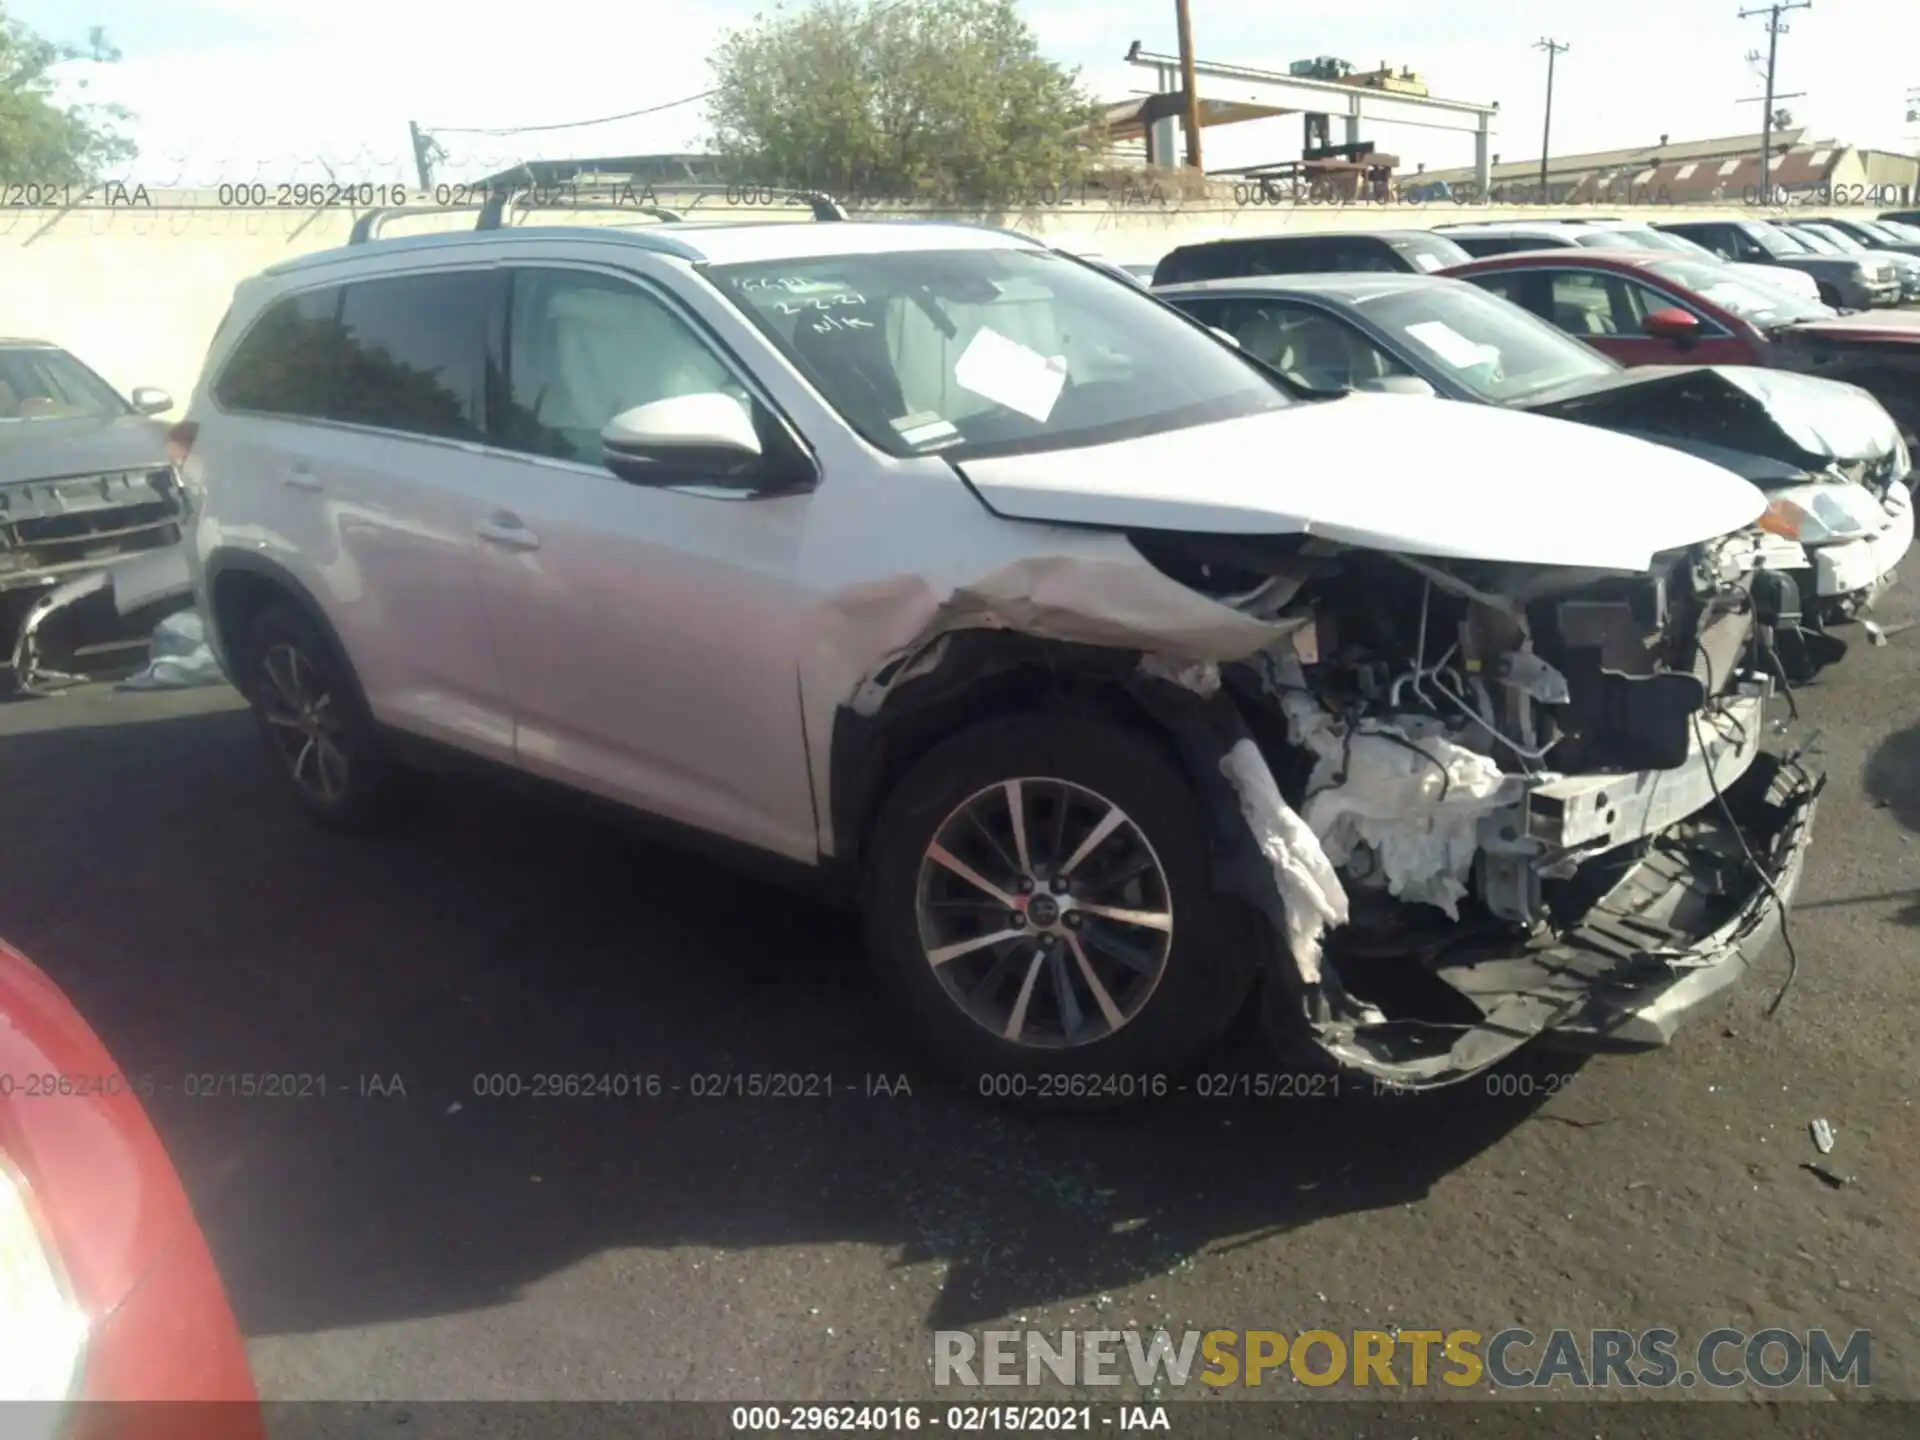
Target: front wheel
[(1040, 901)]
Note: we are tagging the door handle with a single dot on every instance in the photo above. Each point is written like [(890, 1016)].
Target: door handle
[(505, 530), (300, 476)]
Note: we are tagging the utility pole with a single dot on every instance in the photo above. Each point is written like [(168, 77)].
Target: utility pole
[(1554, 48), (423, 148), (1775, 29), (1184, 16)]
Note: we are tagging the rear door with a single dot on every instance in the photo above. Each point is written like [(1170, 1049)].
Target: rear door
[(354, 434)]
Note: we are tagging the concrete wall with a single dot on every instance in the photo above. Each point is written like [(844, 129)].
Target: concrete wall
[(136, 292)]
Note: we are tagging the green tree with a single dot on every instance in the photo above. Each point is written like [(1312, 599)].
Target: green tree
[(898, 99), (43, 142)]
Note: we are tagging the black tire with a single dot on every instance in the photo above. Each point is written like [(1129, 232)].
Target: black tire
[(1206, 977), (357, 800), (1829, 296)]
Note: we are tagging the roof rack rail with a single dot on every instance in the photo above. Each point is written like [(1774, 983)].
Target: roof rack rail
[(492, 212)]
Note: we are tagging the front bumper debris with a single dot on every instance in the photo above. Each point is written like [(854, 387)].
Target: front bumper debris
[(1680, 924), (1865, 568), (100, 623)]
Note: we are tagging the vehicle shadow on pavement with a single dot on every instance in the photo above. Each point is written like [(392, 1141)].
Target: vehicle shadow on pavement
[(209, 932), (1892, 782)]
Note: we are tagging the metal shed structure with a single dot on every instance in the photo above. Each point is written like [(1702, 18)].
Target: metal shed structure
[(1229, 93)]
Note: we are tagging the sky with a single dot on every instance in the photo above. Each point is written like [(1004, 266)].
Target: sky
[(286, 90)]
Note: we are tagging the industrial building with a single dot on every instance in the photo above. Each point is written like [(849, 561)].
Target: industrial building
[(1694, 172)]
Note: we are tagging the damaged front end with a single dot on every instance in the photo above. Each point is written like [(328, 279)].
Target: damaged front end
[(88, 565), (1485, 803)]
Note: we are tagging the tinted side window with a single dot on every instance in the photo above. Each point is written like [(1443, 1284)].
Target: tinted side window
[(285, 363), (1526, 288), (1205, 262), (582, 348), (413, 353)]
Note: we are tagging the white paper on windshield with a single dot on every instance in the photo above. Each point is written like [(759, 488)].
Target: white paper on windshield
[(1451, 346), (1428, 263), (1008, 373)]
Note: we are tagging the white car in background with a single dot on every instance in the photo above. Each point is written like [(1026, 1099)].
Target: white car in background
[(1617, 234), (1112, 673)]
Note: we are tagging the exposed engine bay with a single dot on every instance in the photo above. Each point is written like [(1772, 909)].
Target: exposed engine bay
[(1542, 788)]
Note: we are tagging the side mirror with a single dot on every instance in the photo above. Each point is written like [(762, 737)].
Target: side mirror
[(706, 438), (1228, 336), (1682, 327), (1397, 385), (151, 400)]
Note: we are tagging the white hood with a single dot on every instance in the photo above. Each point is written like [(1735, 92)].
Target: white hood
[(1402, 473)]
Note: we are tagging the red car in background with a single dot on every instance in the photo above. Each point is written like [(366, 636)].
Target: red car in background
[(1649, 308), (107, 1290)]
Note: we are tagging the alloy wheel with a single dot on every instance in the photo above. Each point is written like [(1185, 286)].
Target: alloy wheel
[(1044, 912), (304, 723)]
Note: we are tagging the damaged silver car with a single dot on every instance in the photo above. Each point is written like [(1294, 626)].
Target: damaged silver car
[(90, 519), (1114, 675)]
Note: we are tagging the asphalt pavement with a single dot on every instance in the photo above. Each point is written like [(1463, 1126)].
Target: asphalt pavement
[(409, 1235)]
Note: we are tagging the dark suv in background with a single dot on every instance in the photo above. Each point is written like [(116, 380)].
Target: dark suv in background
[(1846, 282), (1419, 252)]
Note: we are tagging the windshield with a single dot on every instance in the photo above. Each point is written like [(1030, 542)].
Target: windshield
[(993, 349), (1725, 288), (1773, 240), (1430, 252), (1814, 241), (1636, 237), (40, 383), (1493, 348), (1680, 244), (1839, 239), (1906, 234)]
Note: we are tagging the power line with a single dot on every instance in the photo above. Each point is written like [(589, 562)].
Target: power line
[(572, 124), (432, 130)]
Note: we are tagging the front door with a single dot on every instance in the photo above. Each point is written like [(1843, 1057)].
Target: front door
[(650, 636)]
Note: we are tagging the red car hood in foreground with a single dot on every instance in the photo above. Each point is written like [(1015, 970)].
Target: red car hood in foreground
[(113, 1220)]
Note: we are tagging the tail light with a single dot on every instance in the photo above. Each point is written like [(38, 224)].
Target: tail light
[(43, 1331), (180, 441)]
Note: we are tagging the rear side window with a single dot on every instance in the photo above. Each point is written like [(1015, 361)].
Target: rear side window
[(284, 364), (1206, 262), (412, 353)]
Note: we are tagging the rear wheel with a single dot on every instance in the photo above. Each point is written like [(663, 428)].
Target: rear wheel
[(1040, 901), (319, 737)]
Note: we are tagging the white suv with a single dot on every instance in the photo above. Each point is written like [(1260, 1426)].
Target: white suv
[(1117, 673)]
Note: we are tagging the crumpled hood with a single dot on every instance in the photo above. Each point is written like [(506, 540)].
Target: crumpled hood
[(55, 449), (1802, 420), (1389, 472)]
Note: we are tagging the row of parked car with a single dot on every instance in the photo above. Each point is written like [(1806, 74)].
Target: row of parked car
[(1610, 324)]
